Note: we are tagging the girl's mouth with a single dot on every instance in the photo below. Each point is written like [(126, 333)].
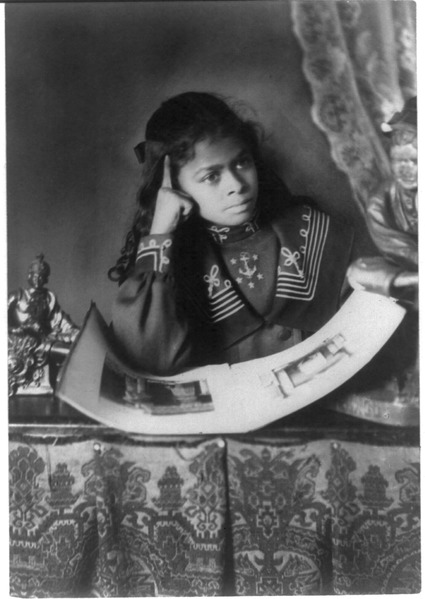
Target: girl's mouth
[(240, 206)]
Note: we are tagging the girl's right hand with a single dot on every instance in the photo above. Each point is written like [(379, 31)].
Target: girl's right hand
[(172, 206)]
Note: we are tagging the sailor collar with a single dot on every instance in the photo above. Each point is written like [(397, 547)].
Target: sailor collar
[(308, 239), (224, 235)]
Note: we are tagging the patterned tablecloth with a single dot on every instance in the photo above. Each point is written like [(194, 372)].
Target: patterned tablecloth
[(97, 513)]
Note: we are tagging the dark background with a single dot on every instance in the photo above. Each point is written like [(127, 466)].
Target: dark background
[(81, 82)]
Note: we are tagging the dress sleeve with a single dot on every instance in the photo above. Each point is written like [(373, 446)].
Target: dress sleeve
[(150, 329)]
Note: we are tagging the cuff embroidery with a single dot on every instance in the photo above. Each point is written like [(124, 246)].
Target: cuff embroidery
[(153, 254)]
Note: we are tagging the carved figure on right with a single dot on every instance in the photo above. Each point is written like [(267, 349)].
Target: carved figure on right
[(392, 220), (392, 216)]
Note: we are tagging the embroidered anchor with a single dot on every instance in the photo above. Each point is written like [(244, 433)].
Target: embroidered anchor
[(247, 272)]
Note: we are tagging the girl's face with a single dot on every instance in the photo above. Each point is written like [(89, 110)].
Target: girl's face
[(222, 180)]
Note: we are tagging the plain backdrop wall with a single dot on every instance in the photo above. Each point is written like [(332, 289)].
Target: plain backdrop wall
[(82, 80)]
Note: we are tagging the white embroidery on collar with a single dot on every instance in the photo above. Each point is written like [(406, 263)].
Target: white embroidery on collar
[(219, 234), (302, 284)]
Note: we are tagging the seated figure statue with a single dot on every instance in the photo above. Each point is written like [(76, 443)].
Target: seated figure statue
[(38, 329), (392, 221), (392, 216)]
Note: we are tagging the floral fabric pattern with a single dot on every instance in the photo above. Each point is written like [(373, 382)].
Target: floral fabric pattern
[(108, 520), (131, 517), (324, 518)]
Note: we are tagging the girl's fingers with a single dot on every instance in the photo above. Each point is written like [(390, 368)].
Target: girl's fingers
[(166, 177), (172, 207)]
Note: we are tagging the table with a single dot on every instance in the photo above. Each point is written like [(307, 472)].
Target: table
[(316, 503)]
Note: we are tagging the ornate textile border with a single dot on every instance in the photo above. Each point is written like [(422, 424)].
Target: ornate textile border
[(116, 519), (112, 520), (324, 518)]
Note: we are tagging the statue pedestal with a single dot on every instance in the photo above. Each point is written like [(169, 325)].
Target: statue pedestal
[(379, 405), (41, 386)]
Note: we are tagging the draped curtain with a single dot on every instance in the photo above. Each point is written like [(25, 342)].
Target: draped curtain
[(359, 57), (107, 515)]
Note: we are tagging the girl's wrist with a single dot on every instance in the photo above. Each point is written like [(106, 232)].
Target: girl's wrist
[(158, 230), (163, 226)]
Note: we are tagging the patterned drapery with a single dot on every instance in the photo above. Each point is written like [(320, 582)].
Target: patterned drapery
[(116, 519), (324, 518), (118, 516), (359, 58)]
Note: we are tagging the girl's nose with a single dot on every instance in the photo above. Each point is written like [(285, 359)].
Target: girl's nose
[(235, 183)]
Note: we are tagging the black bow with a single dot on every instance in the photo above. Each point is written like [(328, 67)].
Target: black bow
[(140, 151)]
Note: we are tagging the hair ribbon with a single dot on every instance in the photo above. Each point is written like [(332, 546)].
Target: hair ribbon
[(158, 147), (140, 151)]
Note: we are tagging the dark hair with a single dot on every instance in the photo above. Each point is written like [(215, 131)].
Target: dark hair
[(173, 130)]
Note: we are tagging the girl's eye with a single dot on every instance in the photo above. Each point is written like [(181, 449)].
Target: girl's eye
[(211, 177)]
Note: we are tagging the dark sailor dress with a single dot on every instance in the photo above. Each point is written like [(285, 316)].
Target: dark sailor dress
[(230, 294)]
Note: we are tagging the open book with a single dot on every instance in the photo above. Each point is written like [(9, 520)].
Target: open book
[(222, 398)]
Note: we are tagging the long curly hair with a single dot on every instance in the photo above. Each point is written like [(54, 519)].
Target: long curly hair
[(174, 129)]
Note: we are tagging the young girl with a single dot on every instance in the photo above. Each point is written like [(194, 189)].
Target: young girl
[(221, 264)]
